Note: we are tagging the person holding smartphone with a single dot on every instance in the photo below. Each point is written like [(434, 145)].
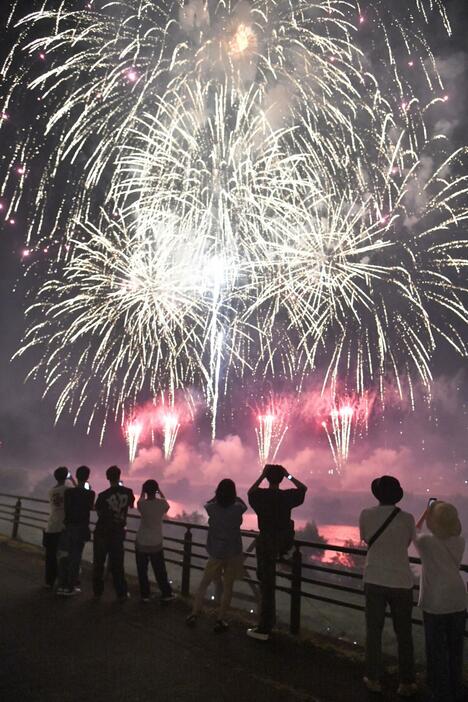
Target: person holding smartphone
[(273, 508), (78, 503), (442, 598), (152, 507), (55, 524)]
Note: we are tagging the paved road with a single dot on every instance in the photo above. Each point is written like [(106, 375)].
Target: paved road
[(78, 649)]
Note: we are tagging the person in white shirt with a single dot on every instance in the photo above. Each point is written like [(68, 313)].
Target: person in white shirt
[(442, 597), (149, 541), (388, 531), (55, 524)]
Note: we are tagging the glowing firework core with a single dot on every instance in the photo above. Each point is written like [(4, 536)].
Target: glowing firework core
[(243, 39)]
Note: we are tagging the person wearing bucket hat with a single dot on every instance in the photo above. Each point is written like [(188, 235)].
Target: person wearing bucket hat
[(388, 531), (442, 597)]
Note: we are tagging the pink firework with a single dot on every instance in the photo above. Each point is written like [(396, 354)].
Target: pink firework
[(132, 431), (271, 428), (170, 428)]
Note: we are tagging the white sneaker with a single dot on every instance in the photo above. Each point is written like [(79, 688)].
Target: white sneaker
[(255, 633), (372, 685)]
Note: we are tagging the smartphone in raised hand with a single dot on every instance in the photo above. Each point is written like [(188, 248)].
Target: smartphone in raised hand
[(431, 501)]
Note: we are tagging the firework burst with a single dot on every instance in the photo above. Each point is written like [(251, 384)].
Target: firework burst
[(246, 195)]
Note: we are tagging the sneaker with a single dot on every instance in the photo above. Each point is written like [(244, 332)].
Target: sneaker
[(123, 598), (168, 598), (77, 589), (407, 689), (191, 620), (220, 626), (372, 685), (63, 592), (255, 633), (146, 599), (60, 591)]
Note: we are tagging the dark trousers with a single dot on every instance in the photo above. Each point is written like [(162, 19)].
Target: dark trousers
[(267, 556), (444, 635), (70, 550), (109, 544), (400, 601), (50, 543), (158, 564)]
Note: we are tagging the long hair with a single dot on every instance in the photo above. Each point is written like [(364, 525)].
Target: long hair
[(225, 494)]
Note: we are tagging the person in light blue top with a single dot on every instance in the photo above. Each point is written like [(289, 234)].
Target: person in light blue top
[(224, 546)]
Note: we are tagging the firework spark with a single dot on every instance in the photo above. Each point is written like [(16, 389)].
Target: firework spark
[(262, 202), (133, 431)]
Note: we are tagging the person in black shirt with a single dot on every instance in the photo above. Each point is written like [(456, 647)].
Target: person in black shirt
[(78, 503), (112, 507), (273, 508)]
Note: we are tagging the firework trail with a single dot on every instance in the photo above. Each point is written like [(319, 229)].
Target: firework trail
[(170, 428), (133, 431), (247, 195), (271, 429)]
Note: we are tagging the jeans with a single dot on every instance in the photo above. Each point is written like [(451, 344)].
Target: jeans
[(401, 605), (109, 544), (267, 556), (50, 543), (444, 635), (70, 550), (158, 564)]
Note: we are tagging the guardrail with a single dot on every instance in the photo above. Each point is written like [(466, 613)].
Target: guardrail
[(181, 552)]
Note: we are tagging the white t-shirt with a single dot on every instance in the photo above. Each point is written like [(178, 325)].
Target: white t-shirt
[(387, 561), (57, 509), (152, 512), (442, 590)]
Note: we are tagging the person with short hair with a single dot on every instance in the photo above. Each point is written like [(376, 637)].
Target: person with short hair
[(149, 541), (442, 598), (388, 580), (78, 503), (55, 525), (112, 507), (224, 546), (273, 508)]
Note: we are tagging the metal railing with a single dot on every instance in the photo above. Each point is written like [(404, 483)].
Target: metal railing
[(185, 553)]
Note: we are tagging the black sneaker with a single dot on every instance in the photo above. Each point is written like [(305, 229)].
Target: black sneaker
[(165, 599), (191, 620), (220, 626)]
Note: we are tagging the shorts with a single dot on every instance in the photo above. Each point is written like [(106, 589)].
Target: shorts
[(232, 568)]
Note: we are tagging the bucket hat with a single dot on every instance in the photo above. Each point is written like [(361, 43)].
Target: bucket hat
[(387, 489)]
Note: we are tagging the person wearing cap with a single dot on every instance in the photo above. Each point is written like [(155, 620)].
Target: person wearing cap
[(388, 580), (442, 597)]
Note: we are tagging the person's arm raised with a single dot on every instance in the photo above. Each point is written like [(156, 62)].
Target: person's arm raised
[(297, 483), (256, 484)]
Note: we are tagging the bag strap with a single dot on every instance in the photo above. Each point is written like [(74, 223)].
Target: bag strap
[(382, 528)]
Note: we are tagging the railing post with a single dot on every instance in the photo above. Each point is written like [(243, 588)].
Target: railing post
[(186, 563), (296, 582), (16, 519)]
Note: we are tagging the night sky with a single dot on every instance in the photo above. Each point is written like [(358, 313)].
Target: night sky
[(427, 448)]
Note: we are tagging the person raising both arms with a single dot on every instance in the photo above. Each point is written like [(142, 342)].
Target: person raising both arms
[(273, 508), (152, 506)]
